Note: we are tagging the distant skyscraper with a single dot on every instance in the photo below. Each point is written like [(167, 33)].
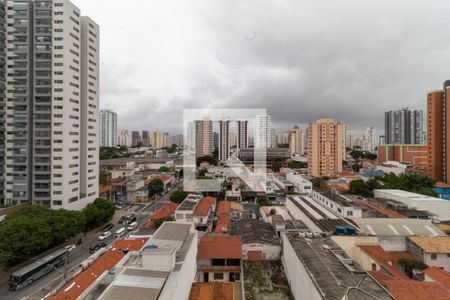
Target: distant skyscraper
[(273, 138), (325, 147), (369, 140), (349, 137), (242, 134), (50, 98), (382, 140), (204, 137), (438, 133), (282, 138), (404, 126), (124, 138), (158, 140), (296, 141), (262, 131), (224, 139), (233, 139), (108, 128), (135, 139), (145, 138), (176, 139), (216, 140)]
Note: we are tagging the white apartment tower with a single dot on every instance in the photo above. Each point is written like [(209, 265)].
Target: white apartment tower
[(108, 128), (124, 138), (262, 131), (369, 140), (51, 120), (224, 139)]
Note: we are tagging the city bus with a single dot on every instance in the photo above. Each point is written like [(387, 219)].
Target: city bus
[(36, 270)]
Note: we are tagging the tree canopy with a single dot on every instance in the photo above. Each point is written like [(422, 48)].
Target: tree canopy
[(163, 169), (113, 152), (416, 183), (208, 158), (293, 164), (178, 196), (34, 229), (98, 212), (155, 187)]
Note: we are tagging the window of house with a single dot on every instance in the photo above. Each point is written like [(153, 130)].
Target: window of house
[(218, 276), (433, 256)]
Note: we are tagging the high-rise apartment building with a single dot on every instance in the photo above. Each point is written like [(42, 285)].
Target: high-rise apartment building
[(282, 138), (215, 139), (242, 134), (50, 107), (204, 137), (124, 138), (2, 101), (175, 140), (296, 141), (403, 126), (369, 140), (159, 140), (438, 133), (233, 139), (325, 147), (262, 131), (224, 139), (108, 128), (145, 138), (136, 139)]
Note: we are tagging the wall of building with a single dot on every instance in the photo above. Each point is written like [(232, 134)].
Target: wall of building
[(269, 252), (344, 211), (302, 287)]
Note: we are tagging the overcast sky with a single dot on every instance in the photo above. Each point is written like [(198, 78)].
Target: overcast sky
[(349, 59)]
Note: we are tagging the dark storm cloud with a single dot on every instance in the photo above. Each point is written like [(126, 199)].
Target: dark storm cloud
[(349, 60)]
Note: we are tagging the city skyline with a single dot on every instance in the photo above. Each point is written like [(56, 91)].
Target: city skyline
[(396, 53)]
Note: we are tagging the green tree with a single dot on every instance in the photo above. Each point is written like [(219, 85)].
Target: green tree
[(207, 158), (263, 202), (158, 222), (273, 211), (98, 212), (319, 183), (155, 187), (163, 169), (34, 229), (360, 187), (293, 164), (178, 196), (283, 145), (276, 166)]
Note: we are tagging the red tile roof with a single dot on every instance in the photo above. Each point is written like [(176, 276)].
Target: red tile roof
[(223, 207), (164, 178), (403, 289), (388, 260), (105, 262), (208, 291), (223, 223), (103, 189), (220, 246), (202, 208), (398, 284), (439, 275), (165, 211)]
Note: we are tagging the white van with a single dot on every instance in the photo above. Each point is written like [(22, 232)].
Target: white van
[(120, 232), (132, 226)]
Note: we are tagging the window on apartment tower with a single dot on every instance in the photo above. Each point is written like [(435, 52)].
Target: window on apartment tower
[(218, 276)]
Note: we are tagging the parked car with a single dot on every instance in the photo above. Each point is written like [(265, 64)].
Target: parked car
[(132, 226), (122, 219), (108, 227), (70, 248), (97, 247), (104, 235)]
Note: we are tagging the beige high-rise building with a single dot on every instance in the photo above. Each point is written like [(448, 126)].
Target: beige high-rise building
[(158, 140), (224, 139), (325, 147), (204, 137), (296, 141)]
